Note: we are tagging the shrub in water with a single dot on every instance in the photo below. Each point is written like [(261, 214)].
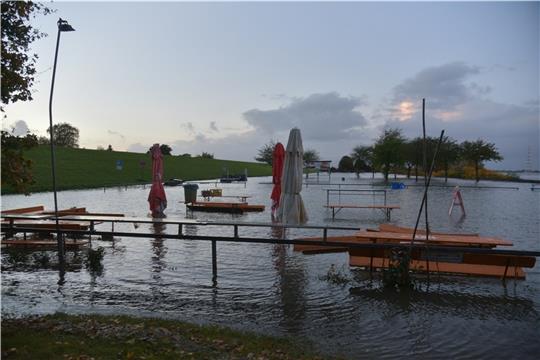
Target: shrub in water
[(93, 260), (337, 277), (397, 274)]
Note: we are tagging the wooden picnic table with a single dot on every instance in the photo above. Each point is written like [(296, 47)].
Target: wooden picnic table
[(385, 208), (382, 236)]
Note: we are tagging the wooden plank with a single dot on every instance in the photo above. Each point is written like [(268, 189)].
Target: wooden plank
[(461, 257), (406, 230), (451, 268), (318, 249), (44, 243), (383, 237), (70, 211), (23, 210)]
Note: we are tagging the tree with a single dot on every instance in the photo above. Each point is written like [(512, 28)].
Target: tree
[(43, 140), (206, 155), (479, 151), (363, 159), (18, 67), (311, 155), (387, 151), (449, 153), (165, 149), (265, 154), (17, 171), (109, 148), (346, 164), (65, 135)]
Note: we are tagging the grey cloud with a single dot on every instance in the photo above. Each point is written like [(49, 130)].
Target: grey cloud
[(444, 85), (512, 128), (116, 133), (320, 117), (188, 127), (18, 128), (213, 126)]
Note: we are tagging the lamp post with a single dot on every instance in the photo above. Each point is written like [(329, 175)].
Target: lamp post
[(63, 26)]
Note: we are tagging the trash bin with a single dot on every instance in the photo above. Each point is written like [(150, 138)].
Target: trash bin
[(190, 193)]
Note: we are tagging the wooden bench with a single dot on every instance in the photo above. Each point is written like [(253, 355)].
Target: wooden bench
[(455, 263), (385, 208)]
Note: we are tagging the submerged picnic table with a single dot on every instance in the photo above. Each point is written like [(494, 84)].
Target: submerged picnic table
[(439, 239)]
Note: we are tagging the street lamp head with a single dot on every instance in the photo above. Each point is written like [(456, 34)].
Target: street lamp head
[(64, 26)]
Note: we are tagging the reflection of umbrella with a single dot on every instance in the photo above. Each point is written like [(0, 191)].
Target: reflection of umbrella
[(291, 207), (277, 170), (157, 198)]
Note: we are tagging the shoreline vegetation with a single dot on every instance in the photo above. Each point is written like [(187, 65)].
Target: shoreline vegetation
[(62, 336), (89, 169)]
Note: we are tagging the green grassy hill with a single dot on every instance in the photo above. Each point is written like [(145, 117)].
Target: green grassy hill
[(80, 168)]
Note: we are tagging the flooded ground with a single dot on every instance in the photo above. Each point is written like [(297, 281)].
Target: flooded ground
[(272, 290)]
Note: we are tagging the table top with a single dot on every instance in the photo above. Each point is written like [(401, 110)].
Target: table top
[(401, 237)]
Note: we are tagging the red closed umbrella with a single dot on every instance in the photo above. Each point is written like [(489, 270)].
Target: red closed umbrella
[(157, 198), (278, 157)]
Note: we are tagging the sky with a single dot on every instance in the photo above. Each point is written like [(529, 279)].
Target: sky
[(227, 78)]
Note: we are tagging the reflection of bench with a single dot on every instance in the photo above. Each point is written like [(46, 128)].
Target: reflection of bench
[(385, 208)]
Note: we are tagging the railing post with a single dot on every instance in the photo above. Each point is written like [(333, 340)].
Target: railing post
[(325, 234), (236, 231), (180, 234), (214, 262)]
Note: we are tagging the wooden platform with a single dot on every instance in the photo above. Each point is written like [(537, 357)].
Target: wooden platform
[(462, 262), (385, 208), (442, 267), (225, 207), (69, 244)]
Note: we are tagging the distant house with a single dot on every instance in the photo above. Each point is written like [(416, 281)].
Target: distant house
[(320, 165)]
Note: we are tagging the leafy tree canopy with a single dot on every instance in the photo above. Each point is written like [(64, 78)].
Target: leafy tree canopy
[(18, 66), (264, 154), (16, 171), (346, 164), (165, 149), (65, 135), (311, 155)]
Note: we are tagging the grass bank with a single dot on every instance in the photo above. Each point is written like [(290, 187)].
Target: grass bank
[(81, 168), (63, 336)]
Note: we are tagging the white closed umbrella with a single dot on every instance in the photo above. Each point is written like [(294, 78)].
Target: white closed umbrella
[(291, 207)]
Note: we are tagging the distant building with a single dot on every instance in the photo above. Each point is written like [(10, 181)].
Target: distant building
[(320, 165)]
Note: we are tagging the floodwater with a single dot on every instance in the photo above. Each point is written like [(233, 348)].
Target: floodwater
[(272, 290)]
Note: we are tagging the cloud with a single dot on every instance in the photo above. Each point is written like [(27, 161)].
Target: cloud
[(213, 126), (313, 115), (444, 85), (18, 128), (110, 132), (188, 127), (465, 113)]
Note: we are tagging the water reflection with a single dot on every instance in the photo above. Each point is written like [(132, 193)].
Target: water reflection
[(464, 305), (291, 281)]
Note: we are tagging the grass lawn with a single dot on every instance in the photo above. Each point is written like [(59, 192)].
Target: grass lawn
[(81, 168), (63, 336)]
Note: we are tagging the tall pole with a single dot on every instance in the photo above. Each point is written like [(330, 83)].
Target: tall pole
[(59, 238)]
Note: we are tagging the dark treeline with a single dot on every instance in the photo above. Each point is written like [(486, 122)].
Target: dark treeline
[(393, 153)]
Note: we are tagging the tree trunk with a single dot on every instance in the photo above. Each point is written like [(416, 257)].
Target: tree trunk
[(408, 172), (416, 172), (446, 172), (476, 170)]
